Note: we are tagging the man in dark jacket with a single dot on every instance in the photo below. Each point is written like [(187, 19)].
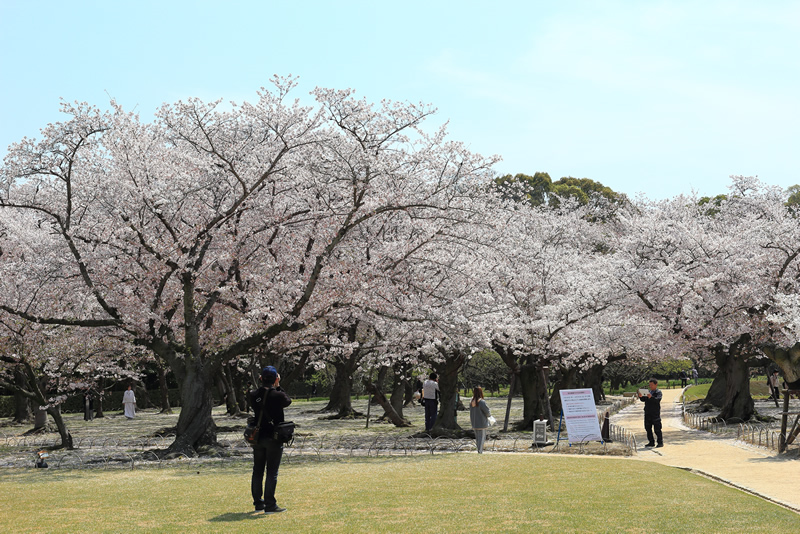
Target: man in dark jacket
[(652, 413), (268, 451)]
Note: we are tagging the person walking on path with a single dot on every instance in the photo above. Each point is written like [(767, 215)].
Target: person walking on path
[(430, 396), (683, 379), (774, 382), (267, 451), (479, 415), (129, 402), (652, 414)]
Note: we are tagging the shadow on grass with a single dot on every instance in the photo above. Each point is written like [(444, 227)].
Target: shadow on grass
[(231, 517)]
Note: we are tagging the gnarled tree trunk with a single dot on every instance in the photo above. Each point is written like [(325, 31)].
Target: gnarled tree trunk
[(66, 437), (448, 389), (163, 390), (22, 404), (343, 382), (340, 400), (388, 409), (788, 359), (566, 379), (593, 378), (398, 392), (196, 377), (534, 395), (98, 398), (731, 387)]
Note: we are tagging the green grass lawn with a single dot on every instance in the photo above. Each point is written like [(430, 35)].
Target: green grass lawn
[(758, 390), (447, 493)]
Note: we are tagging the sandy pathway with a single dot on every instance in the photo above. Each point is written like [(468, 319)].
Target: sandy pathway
[(757, 470)]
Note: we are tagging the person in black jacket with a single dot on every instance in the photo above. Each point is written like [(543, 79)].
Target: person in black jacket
[(652, 414), (267, 452)]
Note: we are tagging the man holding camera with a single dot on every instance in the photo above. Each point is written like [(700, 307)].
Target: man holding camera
[(652, 413), (268, 451)]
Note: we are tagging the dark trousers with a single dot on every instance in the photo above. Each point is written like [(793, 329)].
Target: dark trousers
[(776, 394), (650, 424), (431, 410), (267, 454)]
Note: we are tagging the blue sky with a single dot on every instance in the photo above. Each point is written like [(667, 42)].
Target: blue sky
[(645, 96)]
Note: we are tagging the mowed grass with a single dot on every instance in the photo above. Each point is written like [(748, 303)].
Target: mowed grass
[(446, 493), (758, 390)]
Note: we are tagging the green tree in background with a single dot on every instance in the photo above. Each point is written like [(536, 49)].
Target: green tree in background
[(485, 369), (794, 195), (540, 190), (524, 188)]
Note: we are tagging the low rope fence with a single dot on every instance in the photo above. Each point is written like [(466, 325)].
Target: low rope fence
[(706, 423), (760, 435), (617, 406), (112, 453), (765, 435)]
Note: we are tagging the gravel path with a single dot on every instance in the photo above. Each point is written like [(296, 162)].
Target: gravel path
[(762, 472)]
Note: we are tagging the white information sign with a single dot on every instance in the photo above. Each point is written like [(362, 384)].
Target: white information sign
[(580, 415)]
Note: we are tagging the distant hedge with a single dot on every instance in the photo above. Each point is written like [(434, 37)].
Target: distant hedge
[(112, 401)]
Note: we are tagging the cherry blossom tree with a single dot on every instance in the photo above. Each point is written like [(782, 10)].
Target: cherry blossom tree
[(54, 363), (212, 230), (555, 284), (698, 269)]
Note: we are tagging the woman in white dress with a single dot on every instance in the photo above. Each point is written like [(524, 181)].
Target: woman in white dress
[(129, 402)]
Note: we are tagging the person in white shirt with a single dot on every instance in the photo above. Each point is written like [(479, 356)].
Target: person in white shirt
[(774, 390), (430, 396), (129, 402)]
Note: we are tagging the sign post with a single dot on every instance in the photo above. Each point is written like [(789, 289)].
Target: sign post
[(580, 415)]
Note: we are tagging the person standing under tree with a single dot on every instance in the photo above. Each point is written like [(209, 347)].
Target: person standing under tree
[(267, 451), (652, 414), (88, 405), (774, 382), (479, 415), (129, 402), (430, 396)]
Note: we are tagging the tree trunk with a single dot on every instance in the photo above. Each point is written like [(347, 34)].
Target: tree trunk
[(731, 387), (296, 372), (66, 437), (408, 396), (196, 427), (616, 384), (98, 399), (381, 381), (448, 390), (534, 396), (788, 359), (163, 390), (567, 379), (340, 399), (239, 386), (231, 406), (388, 409), (22, 404), (593, 378), (398, 393), (39, 419), (142, 397)]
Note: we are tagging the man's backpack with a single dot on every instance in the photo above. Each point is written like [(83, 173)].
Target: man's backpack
[(281, 432)]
